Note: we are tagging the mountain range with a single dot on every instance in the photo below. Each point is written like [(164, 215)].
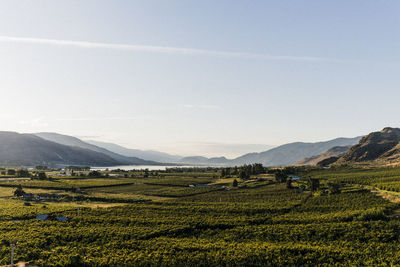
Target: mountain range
[(377, 148), (287, 154), (55, 149), (144, 154), (75, 142)]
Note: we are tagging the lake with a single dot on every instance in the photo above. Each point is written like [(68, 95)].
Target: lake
[(139, 167)]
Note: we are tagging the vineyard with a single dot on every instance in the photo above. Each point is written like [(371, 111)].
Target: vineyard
[(381, 178), (200, 218)]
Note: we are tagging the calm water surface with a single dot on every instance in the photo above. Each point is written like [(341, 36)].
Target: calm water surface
[(139, 167)]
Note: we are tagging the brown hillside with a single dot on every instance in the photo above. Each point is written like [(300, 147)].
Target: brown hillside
[(382, 147)]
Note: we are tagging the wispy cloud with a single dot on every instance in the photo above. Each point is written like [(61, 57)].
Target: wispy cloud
[(202, 106), (158, 49)]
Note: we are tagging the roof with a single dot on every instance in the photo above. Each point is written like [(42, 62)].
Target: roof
[(62, 218), (42, 217), (294, 177)]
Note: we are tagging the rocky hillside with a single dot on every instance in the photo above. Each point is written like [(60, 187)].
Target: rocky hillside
[(380, 147)]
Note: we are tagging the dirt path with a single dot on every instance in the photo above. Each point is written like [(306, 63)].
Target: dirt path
[(393, 197)]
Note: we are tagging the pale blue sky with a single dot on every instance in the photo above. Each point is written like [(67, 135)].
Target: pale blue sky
[(172, 75)]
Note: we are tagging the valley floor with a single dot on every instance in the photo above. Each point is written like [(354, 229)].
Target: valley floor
[(200, 219)]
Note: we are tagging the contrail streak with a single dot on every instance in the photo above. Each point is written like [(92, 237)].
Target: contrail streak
[(157, 49)]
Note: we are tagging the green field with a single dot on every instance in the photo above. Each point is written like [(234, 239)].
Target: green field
[(382, 178), (161, 220)]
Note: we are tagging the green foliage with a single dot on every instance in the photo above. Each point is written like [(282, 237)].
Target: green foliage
[(235, 183), (243, 174), (260, 223), (382, 178), (313, 184), (289, 183), (280, 177), (96, 174), (22, 173), (42, 175), (333, 188), (19, 192)]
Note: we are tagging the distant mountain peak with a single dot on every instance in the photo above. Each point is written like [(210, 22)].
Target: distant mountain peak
[(76, 142), (143, 154)]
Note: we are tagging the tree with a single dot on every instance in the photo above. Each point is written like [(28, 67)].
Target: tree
[(313, 184), (235, 183), (19, 192), (146, 173), (223, 174), (22, 173), (235, 170), (289, 183), (42, 175), (243, 174), (257, 168), (280, 177), (94, 174), (11, 172), (333, 188)]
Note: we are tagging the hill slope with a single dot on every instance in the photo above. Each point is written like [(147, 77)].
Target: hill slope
[(143, 154), (291, 153), (334, 152), (382, 147), (75, 142), (29, 149), (287, 154)]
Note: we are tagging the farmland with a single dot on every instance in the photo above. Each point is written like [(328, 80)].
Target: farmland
[(200, 218)]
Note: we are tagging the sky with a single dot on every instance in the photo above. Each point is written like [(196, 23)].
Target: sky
[(203, 77)]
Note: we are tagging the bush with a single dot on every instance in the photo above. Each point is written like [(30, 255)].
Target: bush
[(235, 183)]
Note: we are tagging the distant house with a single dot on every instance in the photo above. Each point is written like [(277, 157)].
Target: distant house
[(294, 177), (192, 186), (62, 219), (42, 217)]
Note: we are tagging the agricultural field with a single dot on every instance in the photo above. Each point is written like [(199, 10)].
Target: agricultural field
[(381, 178), (201, 218)]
